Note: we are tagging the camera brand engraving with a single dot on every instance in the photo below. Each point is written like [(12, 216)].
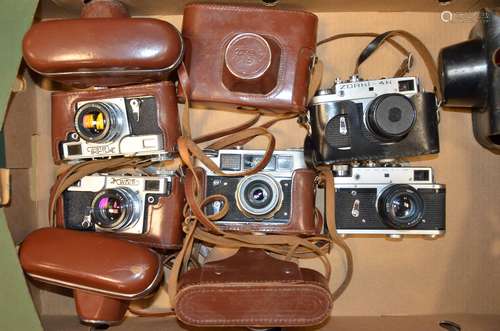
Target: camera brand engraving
[(363, 84), (99, 150), (124, 181), (248, 56)]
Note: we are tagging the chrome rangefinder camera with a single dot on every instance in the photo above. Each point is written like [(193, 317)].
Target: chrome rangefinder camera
[(122, 121), (279, 199), (391, 201), (371, 120), (143, 209)]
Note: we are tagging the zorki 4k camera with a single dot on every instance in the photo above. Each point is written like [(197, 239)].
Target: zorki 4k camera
[(143, 209), (391, 201), (371, 120), (279, 199), (124, 121)]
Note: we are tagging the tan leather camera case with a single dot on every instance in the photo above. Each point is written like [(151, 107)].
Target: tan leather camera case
[(105, 47), (252, 289), (164, 223), (302, 210), (64, 108), (241, 57), (74, 260)]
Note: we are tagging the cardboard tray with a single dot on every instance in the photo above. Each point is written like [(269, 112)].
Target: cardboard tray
[(397, 285)]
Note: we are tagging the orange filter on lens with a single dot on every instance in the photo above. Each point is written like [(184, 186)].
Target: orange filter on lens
[(89, 122)]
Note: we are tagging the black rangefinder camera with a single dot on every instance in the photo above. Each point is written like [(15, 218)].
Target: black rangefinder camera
[(371, 120), (392, 201)]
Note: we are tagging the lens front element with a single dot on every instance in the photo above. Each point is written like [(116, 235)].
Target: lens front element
[(259, 196), (115, 209), (98, 121), (400, 206)]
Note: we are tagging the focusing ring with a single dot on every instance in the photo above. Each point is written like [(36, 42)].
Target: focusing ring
[(400, 196), (266, 183)]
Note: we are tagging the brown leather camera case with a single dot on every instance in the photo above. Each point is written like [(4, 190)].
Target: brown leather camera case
[(164, 225), (103, 48), (76, 259), (248, 57), (302, 213), (64, 108), (252, 289)]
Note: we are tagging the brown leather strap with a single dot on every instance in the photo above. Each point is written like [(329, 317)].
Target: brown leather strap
[(147, 313), (314, 79), (417, 44), (186, 90), (225, 132), (188, 149), (405, 66), (327, 178)]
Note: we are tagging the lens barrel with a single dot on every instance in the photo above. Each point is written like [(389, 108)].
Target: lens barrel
[(391, 116), (259, 196), (400, 206), (115, 209), (98, 121)]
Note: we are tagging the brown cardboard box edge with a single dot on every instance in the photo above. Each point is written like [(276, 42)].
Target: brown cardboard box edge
[(449, 275)]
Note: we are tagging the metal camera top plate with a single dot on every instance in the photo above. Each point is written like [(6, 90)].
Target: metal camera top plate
[(282, 163), (369, 89)]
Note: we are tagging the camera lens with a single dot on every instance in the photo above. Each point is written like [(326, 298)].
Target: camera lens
[(391, 116), (400, 206), (115, 209), (98, 121), (259, 196)]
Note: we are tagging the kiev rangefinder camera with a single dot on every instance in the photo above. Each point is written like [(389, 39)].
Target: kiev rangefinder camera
[(371, 120), (279, 199), (392, 201), (123, 121), (143, 209)]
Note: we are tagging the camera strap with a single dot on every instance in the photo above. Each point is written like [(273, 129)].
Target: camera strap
[(327, 180), (199, 226), (405, 66), (416, 43), (227, 138)]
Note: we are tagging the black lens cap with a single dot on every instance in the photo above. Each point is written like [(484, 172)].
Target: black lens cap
[(391, 116)]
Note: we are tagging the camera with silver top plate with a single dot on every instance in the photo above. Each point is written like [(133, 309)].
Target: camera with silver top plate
[(390, 200), (145, 209), (371, 120), (121, 121), (278, 199)]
